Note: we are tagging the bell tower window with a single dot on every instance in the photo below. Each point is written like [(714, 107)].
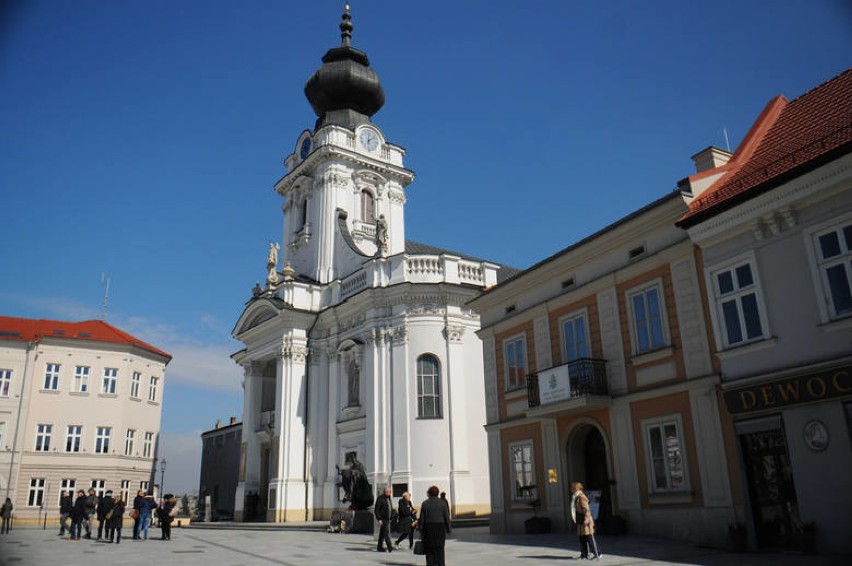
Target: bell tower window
[(368, 207)]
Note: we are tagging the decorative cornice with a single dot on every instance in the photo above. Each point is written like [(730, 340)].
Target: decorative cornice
[(454, 333), (296, 352)]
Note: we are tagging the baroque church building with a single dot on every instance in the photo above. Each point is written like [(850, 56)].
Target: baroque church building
[(362, 341)]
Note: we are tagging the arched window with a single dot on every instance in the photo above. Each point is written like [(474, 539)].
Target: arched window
[(368, 207), (304, 218), (428, 387)]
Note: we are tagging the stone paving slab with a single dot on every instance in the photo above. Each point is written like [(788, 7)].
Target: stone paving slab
[(268, 547)]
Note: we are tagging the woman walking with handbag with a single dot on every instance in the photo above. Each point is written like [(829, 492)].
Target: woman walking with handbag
[(581, 513), (407, 519)]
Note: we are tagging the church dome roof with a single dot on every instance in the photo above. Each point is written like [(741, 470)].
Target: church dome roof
[(345, 90)]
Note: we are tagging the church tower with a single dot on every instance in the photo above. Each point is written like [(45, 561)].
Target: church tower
[(363, 343), (344, 191)]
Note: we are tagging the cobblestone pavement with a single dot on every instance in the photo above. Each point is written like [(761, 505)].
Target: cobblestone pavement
[(269, 547)]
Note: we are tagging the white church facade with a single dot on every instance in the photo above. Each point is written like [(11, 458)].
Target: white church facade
[(362, 341)]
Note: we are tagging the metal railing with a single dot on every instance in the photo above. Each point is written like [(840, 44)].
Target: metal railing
[(586, 376)]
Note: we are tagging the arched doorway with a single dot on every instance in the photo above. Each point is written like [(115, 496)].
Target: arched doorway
[(587, 462)]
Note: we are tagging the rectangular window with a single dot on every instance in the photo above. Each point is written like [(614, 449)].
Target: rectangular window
[(81, 379), (647, 311), (152, 388), (99, 486), (737, 303), (73, 438), (134, 384), (51, 377), (110, 378), (125, 490), (129, 441), (66, 484), (5, 382), (43, 432), (35, 497), (834, 255), (516, 364), (666, 456), (574, 336), (143, 485), (522, 472), (148, 445), (102, 435)]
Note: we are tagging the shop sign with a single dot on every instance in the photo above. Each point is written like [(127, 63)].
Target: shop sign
[(818, 386)]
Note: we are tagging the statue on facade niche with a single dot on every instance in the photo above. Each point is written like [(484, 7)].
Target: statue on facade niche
[(272, 264), (256, 291), (381, 236), (357, 490)]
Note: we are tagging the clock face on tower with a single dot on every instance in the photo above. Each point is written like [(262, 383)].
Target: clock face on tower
[(306, 148), (369, 139)]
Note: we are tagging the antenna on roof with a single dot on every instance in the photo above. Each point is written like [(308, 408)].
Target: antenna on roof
[(105, 285), (727, 141)]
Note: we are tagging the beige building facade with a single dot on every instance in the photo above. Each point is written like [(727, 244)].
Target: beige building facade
[(80, 407)]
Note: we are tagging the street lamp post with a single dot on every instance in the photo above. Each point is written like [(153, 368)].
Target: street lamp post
[(162, 477)]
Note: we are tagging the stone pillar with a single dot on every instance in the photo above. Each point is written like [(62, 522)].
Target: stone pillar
[(287, 490), (461, 481), (249, 475), (332, 377)]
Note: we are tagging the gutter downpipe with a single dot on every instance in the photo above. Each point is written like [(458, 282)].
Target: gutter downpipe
[(31, 344)]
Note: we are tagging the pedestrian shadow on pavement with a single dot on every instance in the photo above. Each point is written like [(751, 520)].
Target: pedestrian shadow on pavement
[(547, 557)]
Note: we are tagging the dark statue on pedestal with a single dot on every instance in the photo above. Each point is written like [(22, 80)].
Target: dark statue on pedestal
[(358, 492)]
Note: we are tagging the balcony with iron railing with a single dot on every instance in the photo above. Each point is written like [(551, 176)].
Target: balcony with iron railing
[(585, 377)]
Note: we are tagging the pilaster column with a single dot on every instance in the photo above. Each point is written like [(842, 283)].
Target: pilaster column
[(249, 474)]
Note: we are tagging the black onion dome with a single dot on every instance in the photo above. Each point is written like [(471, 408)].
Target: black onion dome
[(345, 90)]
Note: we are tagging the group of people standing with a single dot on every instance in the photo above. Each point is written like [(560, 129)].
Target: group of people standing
[(76, 515), (433, 523)]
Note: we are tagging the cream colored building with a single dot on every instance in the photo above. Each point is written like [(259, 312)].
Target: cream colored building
[(80, 406)]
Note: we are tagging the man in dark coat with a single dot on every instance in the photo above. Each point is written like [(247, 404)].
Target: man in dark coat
[(78, 515), (383, 510), (92, 502), (434, 526), (137, 506), (66, 506), (104, 506)]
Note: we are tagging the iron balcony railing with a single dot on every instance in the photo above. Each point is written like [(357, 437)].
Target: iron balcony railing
[(586, 376)]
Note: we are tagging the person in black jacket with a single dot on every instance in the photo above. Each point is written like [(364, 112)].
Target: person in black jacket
[(78, 515), (383, 510), (166, 515), (434, 525), (105, 505), (137, 505), (115, 522), (66, 506), (407, 517)]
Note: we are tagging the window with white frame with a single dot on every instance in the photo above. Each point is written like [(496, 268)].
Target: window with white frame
[(738, 304), (575, 337), (834, 257), (666, 455), (647, 312), (522, 471), (516, 363), (110, 379), (102, 436), (35, 497), (368, 207), (148, 445), (152, 388), (5, 382), (143, 485), (51, 377), (99, 486), (129, 440), (81, 379), (134, 384), (66, 484), (42, 440), (353, 384), (428, 387), (73, 438), (125, 490)]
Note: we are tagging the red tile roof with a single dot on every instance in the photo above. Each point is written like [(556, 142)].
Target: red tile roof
[(787, 140), (28, 329)]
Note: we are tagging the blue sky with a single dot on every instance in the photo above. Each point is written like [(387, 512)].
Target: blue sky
[(142, 139)]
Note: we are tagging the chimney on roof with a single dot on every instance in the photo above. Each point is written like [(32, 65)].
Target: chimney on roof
[(218, 423), (233, 420), (710, 158)]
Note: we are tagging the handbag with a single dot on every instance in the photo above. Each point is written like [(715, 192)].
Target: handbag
[(419, 548), (134, 514)]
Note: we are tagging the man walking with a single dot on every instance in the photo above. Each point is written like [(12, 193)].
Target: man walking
[(382, 510), (66, 506)]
